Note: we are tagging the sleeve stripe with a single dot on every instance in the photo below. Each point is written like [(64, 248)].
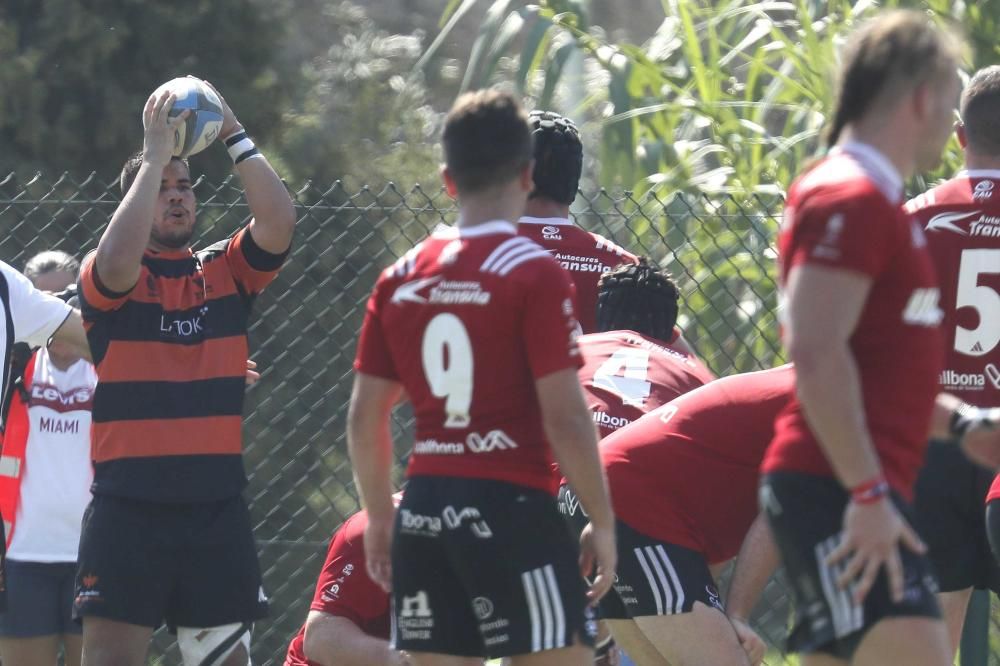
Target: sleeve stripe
[(514, 263)]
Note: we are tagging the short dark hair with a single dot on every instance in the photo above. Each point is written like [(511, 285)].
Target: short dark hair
[(558, 156), (131, 168), (980, 109), (889, 56), (486, 140), (638, 297)]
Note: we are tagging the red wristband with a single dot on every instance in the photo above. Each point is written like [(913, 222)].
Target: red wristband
[(870, 491)]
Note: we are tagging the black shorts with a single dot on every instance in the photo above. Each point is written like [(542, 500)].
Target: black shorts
[(189, 565), (484, 569), (949, 513), (653, 577), (806, 515), (41, 600)]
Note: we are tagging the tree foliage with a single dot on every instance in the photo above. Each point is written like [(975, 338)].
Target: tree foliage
[(726, 96)]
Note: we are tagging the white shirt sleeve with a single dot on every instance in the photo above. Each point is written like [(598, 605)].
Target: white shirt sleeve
[(36, 315)]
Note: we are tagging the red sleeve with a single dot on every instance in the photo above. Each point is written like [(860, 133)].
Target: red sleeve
[(373, 356), (95, 294), (853, 231), (252, 266), (344, 588), (549, 325)]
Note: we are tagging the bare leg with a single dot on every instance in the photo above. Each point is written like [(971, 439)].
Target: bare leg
[(112, 643), (73, 648), (34, 651), (953, 607), (914, 641), (630, 638)]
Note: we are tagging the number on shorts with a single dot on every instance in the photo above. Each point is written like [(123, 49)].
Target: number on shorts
[(624, 374), (980, 340), (447, 357)]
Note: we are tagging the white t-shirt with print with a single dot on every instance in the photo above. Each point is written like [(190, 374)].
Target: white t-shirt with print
[(55, 482)]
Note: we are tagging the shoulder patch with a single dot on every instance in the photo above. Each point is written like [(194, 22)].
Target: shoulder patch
[(512, 253)]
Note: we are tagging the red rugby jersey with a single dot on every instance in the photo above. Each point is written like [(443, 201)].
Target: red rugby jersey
[(687, 473), (345, 590), (845, 213), (627, 374), (467, 321), (961, 219), (584, 254)]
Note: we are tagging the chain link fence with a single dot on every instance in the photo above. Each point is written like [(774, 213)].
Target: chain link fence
[(720, 251)]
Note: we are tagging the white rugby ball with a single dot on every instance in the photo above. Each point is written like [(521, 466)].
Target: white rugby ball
[(203, 124)]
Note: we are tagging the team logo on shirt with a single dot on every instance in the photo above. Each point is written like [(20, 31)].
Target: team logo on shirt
[(443, 292), (550, 232), (946, 222), (76, 399), (922, 308), (952, 380), (982, 190)]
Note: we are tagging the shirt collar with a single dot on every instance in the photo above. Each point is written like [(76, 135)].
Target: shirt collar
[(554, 221), (878, 166), (482, 229), (992, 174)]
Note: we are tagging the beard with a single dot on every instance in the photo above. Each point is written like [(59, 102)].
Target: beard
[(175, 239)]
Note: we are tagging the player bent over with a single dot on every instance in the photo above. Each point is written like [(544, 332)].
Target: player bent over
[(348, 622), (861, 325), (168, 535), (631, 367), (683, 481), (476, 324)]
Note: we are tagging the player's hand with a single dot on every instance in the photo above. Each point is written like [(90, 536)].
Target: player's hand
[(750, 641), (378, 545), (981, 443), (230, 125), (871, 538), (159, 128), (252, 375), (597, 546)]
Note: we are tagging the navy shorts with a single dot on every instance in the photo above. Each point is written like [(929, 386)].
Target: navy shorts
[(39, 600), (806, 514), (189, 565), (948, 506), (485, 569), (654, 577)]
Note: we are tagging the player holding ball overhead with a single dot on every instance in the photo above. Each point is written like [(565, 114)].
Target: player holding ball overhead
[(168, 536), (861, 322)]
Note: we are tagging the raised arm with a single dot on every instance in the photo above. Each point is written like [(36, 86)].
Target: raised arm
[(119, 252), (272, 209)]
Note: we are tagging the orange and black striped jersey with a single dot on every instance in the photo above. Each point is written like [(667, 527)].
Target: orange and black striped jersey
[(171, 361)]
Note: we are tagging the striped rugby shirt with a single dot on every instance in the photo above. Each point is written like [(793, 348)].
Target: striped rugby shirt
[(171, 360)]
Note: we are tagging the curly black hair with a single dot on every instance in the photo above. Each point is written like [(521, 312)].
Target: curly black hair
[(638, 297)]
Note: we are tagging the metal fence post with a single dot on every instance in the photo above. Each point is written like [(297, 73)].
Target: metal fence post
[(976, 633)]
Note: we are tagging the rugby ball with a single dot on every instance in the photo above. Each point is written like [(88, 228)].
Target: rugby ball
[(203, 124)]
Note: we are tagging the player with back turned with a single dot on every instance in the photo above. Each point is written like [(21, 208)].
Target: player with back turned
[(477, 325), (558, 166), (961, 219)]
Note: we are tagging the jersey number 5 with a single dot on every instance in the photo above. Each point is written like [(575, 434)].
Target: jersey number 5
[(624, 374), (980, 340), (447, 356)]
